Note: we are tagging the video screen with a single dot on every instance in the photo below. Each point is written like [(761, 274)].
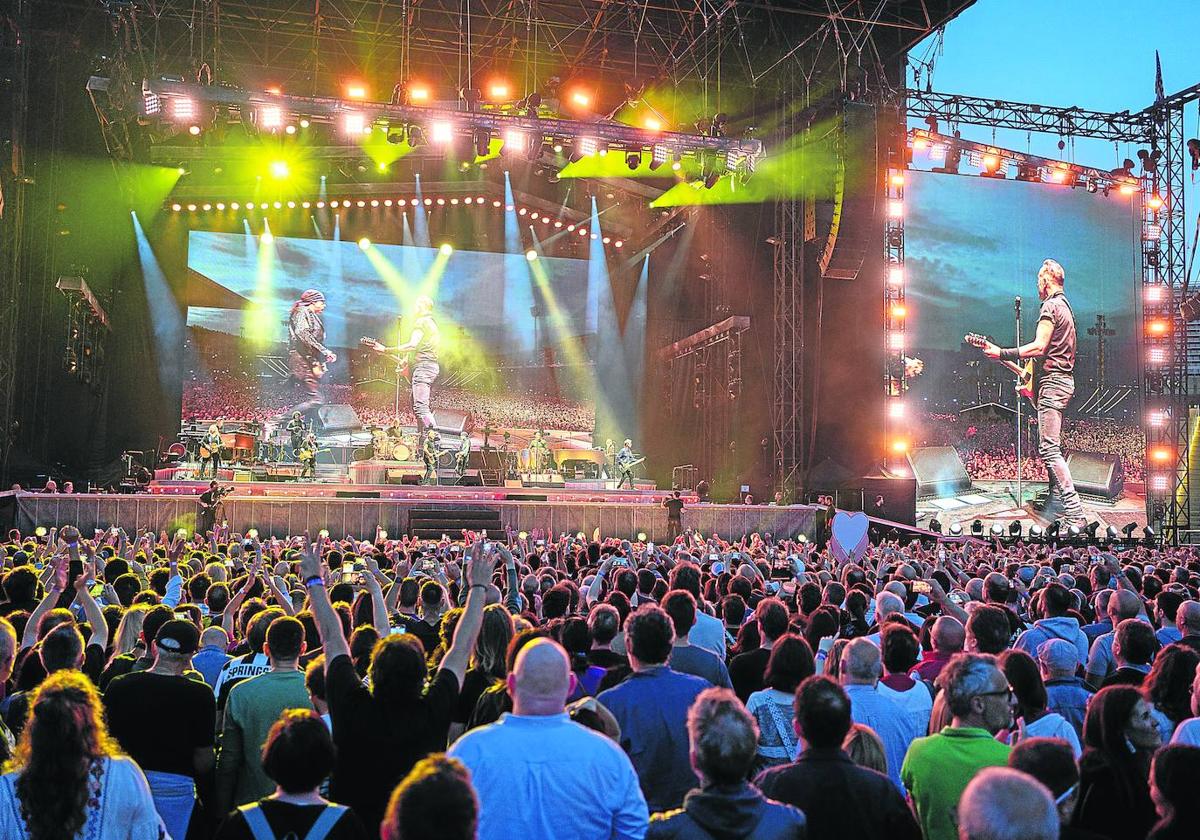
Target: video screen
[(517, 341), (972, 246)]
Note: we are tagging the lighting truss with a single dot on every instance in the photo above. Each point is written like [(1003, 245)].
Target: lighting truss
[(1035, 167), (954, 108), (160, 99)]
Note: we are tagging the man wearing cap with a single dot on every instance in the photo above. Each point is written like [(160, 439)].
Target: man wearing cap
[(165, 722), (1066, 693), (307, 354)]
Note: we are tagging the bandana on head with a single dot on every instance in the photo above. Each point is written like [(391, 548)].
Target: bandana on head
[(312, 296)]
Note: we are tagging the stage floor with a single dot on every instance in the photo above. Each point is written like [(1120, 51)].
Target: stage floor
[(281, 509), (995, 502)]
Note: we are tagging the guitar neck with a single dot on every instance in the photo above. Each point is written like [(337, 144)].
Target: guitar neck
[(1013, 366)]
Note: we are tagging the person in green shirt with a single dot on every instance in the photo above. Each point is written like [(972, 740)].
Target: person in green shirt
[(939, 767), (253, 707)]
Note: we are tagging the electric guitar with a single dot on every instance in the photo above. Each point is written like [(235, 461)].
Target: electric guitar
[(631, 464), (1024, 372), (403, 360), (218, 494)]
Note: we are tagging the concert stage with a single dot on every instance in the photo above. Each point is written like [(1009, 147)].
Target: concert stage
[(282, 509)]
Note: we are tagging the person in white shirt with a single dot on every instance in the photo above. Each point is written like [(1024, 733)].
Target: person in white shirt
[(569, 781), (1032, 720)]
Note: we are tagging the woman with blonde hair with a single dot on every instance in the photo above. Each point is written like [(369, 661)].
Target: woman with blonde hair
[(127, 639), (67, 779), (488, 665), (865, 749)]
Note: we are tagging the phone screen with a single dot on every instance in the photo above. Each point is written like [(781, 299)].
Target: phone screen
[(348, 572)]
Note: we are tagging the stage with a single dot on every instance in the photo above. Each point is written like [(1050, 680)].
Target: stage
[(290, 509)]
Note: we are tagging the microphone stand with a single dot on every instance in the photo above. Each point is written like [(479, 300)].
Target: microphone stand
[(1020, 494), (399, 365)]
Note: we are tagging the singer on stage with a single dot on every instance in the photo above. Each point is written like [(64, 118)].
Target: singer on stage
[(423, 345), (1054, 346)]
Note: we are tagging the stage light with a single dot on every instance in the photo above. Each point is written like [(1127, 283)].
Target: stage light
[(676, 166), (991, 166), (935, 525), (353, 123), (606, 240), (895, 276), (997, 530), (194, 130), (977, 527), (531, 255), (364, 243), (304, 123), (381, 166), (585, 146), (652, 124), (1035, 532), (633, 159), (428, 202), (618, 244), (1074, 532), (279, 169), (956, 529), (1058, 175), (895, 409), (1157, 356), (387, 202), (191, 208), (514, 140), (1014, 530), (270, 117), (896, 342), (558, 147), (1161, 454), (1052, 530), (895, 209), (290, 129), (335, 204), (176, 207), (1156, 417), (522, 212), (441, 132), (306, 204), (1128, 529), (1154, 294), (1127, 189), (220, 205), (899, 311), (267, 238), (498, 91), (1148, 534), (534, 216), (1152, 232), (570, 228), (1158, 326), (447, 249), (897, 179), (1155, 201), (356, 90), (374, 202), (278, 205), (183, 109), (441, 202), (899, 446), (454, 201), (234, 206), (361, 203), (583, 232), (920, 144), (1160, 483), (580, 98), (263, 206)]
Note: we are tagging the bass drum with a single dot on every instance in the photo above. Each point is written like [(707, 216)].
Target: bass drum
[(400, 452)]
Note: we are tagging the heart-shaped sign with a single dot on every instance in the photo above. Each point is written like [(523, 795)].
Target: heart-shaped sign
[(849, 541)]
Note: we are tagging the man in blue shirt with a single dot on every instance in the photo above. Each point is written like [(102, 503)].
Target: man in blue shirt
[(1066, 693), (652, 706), (686, 657), (862, 665), (538, 774)]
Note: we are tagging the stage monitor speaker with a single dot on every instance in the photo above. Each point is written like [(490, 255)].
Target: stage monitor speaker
[(938, 471), (899, 498), (1097, 473), (356, 494), (470, 478), (337, 418), (451, 421)]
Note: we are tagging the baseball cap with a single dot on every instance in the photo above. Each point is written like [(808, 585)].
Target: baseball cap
[(1058, 655), (178, 636)]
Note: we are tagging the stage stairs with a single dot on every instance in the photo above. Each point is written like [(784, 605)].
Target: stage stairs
[(431, 523)]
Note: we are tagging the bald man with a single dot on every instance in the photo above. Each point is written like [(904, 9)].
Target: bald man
[(861, 668), (1005, 804), (1187, 619), (540, 775), (948, 637), (1124, 603)]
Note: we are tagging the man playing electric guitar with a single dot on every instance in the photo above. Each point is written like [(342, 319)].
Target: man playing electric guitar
[(1054, 345), (307, 354), (423, 344), (626, 461), (210, 505)]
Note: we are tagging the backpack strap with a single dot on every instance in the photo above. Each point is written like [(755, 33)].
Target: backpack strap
[(325, 822), (257, 821)]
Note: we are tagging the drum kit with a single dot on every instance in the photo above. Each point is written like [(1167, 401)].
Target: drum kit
[(391, 444)]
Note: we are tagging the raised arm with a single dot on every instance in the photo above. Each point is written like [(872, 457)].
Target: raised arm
[(329, 626), (379, 610), (56, 583), (91, 609), (479, 575)]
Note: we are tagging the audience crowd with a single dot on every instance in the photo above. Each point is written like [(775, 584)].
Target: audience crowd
[(542, 686)]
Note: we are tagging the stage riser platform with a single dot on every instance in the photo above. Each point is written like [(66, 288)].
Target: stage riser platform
[(359, 517)]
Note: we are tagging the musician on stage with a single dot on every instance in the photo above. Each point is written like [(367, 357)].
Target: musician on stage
[(625, 459), (429, 454), (423, 344), (464, 454), (297, 429), (539, 452), (307, 354), (212, 443), (1054, 345), (210, 504), (610, 458), (307, 455)]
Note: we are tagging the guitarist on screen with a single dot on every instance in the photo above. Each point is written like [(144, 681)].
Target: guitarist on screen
[(423, 344), (307, 354), (1054, 345)]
